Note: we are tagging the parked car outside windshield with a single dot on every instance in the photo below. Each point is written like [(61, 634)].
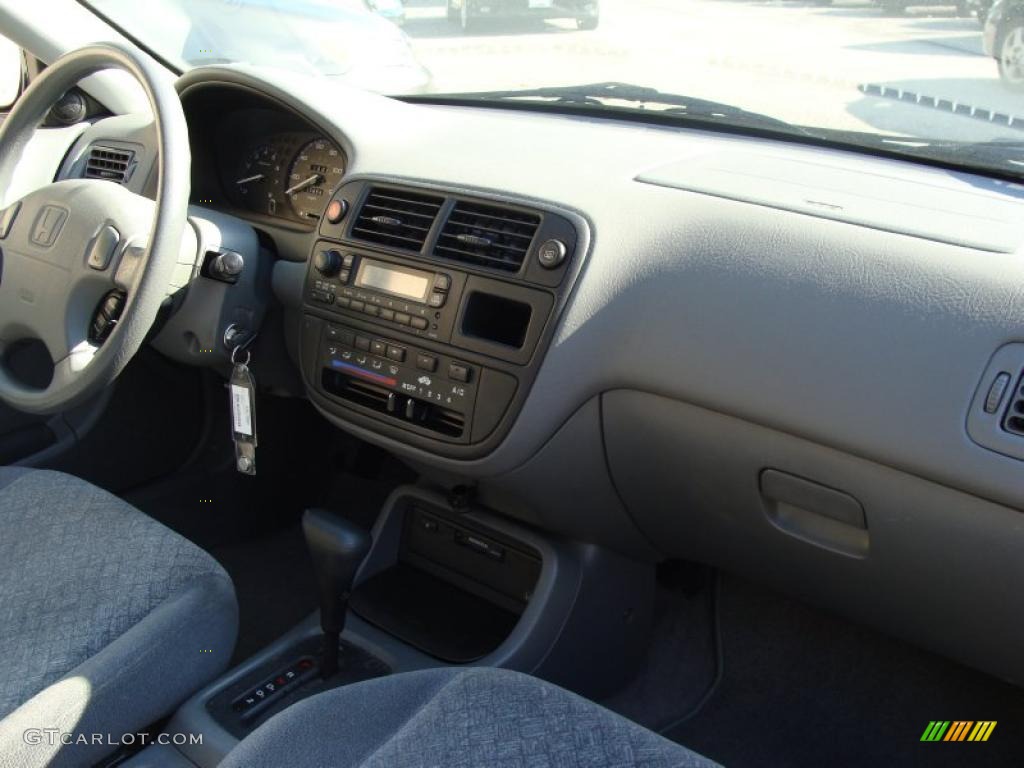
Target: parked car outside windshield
[(343, 39), (915, 79)]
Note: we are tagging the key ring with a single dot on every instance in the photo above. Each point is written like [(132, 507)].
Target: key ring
[(235, 351)]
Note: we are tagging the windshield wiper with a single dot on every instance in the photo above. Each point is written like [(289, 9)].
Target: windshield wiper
[(632, 98)]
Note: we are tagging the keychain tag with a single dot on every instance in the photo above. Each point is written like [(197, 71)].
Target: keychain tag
[(242, 387)]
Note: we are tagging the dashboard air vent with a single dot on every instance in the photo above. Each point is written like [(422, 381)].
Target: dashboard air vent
[(397, 218), (487, 235), (1015, 414), (109, 163)]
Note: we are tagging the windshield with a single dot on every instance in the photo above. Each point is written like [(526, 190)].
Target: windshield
[(948, 76)]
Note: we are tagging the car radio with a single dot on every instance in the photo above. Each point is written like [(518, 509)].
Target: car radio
[(419, 301)]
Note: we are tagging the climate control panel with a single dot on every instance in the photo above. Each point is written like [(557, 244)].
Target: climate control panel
[(418, 388)]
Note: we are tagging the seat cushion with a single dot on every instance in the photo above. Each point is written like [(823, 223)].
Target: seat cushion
[(455, 718), (108, 619)]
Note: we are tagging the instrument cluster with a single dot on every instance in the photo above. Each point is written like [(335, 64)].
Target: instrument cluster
[(287, 175)]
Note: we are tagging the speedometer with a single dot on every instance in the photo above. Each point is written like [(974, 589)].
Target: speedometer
[(316, 170)]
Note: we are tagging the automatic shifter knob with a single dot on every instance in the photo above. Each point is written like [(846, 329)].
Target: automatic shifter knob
[(338, 548)]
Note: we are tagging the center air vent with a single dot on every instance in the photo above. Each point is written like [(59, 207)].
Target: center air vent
[(397, 218), (487, 235), (109, 163)]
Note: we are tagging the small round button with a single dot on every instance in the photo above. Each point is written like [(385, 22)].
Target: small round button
[(336, 211), (551, 254)]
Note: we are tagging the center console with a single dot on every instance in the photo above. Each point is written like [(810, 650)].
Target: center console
[(443, 584), (426, 313)]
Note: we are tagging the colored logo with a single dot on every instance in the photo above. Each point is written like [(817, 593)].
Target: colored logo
[(958, 730)]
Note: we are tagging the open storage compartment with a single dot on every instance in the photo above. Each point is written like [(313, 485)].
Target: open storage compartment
[(456, 591)]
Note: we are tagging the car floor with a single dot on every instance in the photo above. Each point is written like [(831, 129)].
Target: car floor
[(252, 525), (796, 686)]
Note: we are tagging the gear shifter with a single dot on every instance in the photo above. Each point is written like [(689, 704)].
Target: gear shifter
[(338, 547)]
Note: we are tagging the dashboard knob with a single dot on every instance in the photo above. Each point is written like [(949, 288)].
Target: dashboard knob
[(227, 265), (328, 263), (551, 254)]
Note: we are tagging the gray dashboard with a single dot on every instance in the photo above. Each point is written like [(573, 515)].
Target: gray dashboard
[(840, 342), (861, 339)]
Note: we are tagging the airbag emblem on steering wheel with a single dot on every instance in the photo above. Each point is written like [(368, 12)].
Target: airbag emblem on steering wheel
[(48, 225)]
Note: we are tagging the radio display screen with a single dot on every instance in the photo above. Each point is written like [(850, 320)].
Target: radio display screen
[(398, 281)]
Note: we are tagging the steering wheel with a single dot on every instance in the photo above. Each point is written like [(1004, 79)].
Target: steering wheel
[(77, 248)]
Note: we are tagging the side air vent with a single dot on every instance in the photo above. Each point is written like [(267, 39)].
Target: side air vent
[(396, 218), (109, 163), (1015, 414), (487, 235)]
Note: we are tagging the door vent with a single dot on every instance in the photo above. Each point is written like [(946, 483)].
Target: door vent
[(110, 164), (396, 218), (487, 235), (1014, 421)]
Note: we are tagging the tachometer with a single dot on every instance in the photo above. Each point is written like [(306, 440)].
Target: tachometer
[(316, 170), (258, 178)]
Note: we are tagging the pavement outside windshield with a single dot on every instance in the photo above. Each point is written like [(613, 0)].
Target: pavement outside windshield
[(804, 63)]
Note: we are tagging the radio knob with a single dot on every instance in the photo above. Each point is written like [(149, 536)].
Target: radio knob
[(328, 263)]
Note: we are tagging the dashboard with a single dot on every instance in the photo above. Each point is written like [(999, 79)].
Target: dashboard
[(783, 360)]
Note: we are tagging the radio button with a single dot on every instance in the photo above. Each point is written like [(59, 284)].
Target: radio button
[(387, 314), (342, 301), (343, 335), (379, 348), (402, 319), (442, 282), (437, 299), (343, 276), (419, 323), (357, 306), (372, 310), (426, 363), (396, 353), (363, 343), (459, 372)]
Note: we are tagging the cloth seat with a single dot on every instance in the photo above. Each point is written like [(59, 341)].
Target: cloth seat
[(455, 718), (108, 620)]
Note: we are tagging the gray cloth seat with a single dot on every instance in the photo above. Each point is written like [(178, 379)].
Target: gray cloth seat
[(108, 620), (455, 718)]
